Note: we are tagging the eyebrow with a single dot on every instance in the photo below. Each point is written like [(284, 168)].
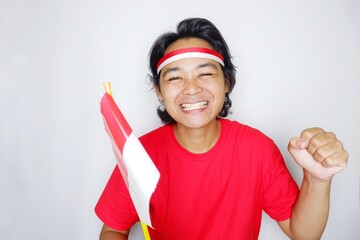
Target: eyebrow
[(174, 69), (209, 64)]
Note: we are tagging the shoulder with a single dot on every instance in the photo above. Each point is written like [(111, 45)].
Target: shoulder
[(156, 135), (158, 138), (234, 129)]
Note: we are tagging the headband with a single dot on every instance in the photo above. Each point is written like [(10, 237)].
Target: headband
[(193, 52)]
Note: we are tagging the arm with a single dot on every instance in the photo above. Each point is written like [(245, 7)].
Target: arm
[(108, 233), (321, 155)]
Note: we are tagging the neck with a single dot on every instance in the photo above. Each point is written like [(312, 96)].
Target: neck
[(198, 140)]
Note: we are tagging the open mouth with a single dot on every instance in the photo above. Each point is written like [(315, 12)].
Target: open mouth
[(194, 106)]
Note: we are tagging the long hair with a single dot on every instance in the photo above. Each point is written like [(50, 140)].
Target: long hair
[(198, 28)]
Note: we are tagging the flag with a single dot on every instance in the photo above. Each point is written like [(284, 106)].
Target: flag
[(136, 167)]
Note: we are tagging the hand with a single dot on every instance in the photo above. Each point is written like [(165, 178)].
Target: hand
[(320, 153)]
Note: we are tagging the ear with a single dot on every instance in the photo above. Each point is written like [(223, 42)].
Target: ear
[(158, 93), (227, 85)]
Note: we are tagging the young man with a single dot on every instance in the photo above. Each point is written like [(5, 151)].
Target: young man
[(217, 175)]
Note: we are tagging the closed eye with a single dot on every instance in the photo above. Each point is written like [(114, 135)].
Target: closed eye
[(173, 78), (206, 74)]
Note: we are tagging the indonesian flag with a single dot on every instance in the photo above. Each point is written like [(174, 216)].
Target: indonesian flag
[(139, 172)]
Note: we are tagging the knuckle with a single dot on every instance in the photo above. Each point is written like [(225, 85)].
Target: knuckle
[(339, 145), (309, 132), (305, 134), (331, 135)]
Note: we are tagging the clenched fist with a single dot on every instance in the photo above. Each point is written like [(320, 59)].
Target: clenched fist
[(319, 152)]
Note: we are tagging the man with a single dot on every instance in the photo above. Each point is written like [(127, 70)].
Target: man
[(217, 175)]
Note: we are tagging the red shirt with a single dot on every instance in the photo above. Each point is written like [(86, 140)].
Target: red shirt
[(219, 194)]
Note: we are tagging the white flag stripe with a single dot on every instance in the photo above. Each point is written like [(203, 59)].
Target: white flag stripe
[(142, 176)]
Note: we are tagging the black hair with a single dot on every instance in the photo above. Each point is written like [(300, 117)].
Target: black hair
[(197, 28)]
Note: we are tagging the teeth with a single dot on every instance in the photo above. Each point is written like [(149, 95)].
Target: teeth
[(193, 106)]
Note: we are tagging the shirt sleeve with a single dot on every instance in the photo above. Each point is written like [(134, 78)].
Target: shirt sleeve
[(115, 207), (280, 189)]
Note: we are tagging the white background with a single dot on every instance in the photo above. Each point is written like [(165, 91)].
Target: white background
[(298, 66)]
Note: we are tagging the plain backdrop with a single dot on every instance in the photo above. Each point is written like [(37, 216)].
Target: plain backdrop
[(298, 66)]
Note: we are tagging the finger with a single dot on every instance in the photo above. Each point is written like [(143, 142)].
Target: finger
[(319, 140), (296, 144), (338, 159), (326, 150), (309, 133)]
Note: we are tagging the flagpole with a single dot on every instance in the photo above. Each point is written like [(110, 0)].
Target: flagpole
[(107, 87)]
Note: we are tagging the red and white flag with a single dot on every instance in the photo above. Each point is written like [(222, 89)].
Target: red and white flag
[(139, 172)]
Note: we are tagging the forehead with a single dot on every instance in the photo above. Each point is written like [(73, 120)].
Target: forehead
[(188, 42)]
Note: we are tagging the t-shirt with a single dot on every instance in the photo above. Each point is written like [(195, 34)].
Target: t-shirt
[(219, 194)]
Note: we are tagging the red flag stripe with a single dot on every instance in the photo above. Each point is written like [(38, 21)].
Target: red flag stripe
[(120, 129)]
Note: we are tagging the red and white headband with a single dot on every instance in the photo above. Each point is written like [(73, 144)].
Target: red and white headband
[(193, 52)]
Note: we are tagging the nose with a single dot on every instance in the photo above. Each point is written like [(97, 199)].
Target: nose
[(191, 87)]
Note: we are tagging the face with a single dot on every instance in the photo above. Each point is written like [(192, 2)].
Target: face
[(192, 89)]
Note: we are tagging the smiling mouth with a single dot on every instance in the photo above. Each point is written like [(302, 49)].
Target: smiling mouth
[(194, 106)]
